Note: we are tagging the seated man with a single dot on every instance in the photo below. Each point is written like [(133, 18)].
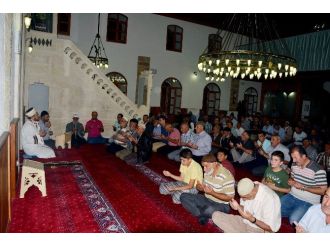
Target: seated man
[(187, 136), (243, 151), (310, 150), (172, 139), (128, 146), (116, 125), (308, 182), (77, 130), (202, 145), (94, 128), (259, 210), (32, 142), (216, 138), (143, 144), (275, 177), (218, 188), (190, 173), (317, 218), (45, 125)]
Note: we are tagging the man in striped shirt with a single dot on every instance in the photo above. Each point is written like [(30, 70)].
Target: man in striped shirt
[(218, 188), (308, 182), (323, 159)]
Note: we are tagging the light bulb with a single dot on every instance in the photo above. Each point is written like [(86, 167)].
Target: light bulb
[(106, 66), (218, 79), (249, 62), (259, 63), (227, 74), (210, 62), (204, 69), (286, 74), (212, 78), (229, 69), (242, 75), (27, 21), (227, 61), (231, 73), (251, 76), (200, 66), (286, 67), (207, 78), (237, 61), (30, 48), (238, 69), (218, 61), (280, 74), (259, 75), (279, 66), (266, 76), (208, 70), (222, 79), (267, 71)]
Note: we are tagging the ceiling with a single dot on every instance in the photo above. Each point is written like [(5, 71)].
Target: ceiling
[(286, 24)]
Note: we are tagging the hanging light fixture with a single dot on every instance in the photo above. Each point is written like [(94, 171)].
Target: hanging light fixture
[(99, 59), (247, 46), (30, 47), (27, 22)]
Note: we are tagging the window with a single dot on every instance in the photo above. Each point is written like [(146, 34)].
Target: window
[(170, 101), (174, 38), (211, 99), (251, 100), (215, 43), (117, 28), (119, 80), (42, 22), (63, 24)]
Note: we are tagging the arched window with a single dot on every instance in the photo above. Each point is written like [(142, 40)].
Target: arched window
[(117, 28), (174, 38), (119, 80), (211, 99), (251, 100), (170, 101)]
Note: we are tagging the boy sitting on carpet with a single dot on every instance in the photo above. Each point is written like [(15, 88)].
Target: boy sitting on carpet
[(275, 177), (190, 173)]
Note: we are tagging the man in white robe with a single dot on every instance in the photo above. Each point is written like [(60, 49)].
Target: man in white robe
[(32, 142)]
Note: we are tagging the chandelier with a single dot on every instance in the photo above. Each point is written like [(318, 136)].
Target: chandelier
[(246, 46), (98, 59)]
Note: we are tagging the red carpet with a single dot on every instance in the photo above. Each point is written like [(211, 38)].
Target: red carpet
[(129, 200)]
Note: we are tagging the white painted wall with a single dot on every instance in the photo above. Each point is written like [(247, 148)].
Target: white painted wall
[(147, 37)]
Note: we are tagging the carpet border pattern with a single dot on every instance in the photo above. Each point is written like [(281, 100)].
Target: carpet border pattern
[(105, 215)]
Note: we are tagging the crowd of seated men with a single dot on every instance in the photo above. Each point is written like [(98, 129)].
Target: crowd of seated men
[(293, 166)]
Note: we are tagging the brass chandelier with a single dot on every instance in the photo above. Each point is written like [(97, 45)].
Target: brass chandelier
[(246, 47)]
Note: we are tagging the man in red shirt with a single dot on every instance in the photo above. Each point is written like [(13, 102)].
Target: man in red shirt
[(222, 158), (94, 128)]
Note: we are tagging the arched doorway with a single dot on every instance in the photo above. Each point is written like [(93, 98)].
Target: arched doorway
[(211, 99), (251, 100), (170, 101), (119, 80)]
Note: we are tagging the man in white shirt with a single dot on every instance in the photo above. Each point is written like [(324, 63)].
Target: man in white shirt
[(202, 145), (317, 218), (259, 210), (298, 136), (32, 142)]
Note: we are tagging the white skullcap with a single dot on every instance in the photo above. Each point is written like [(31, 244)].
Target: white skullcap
[(75, 115), (30, 112), (245, 186), (142, 125)]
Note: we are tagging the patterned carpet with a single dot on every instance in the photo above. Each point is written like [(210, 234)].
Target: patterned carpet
[(93, 191)]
